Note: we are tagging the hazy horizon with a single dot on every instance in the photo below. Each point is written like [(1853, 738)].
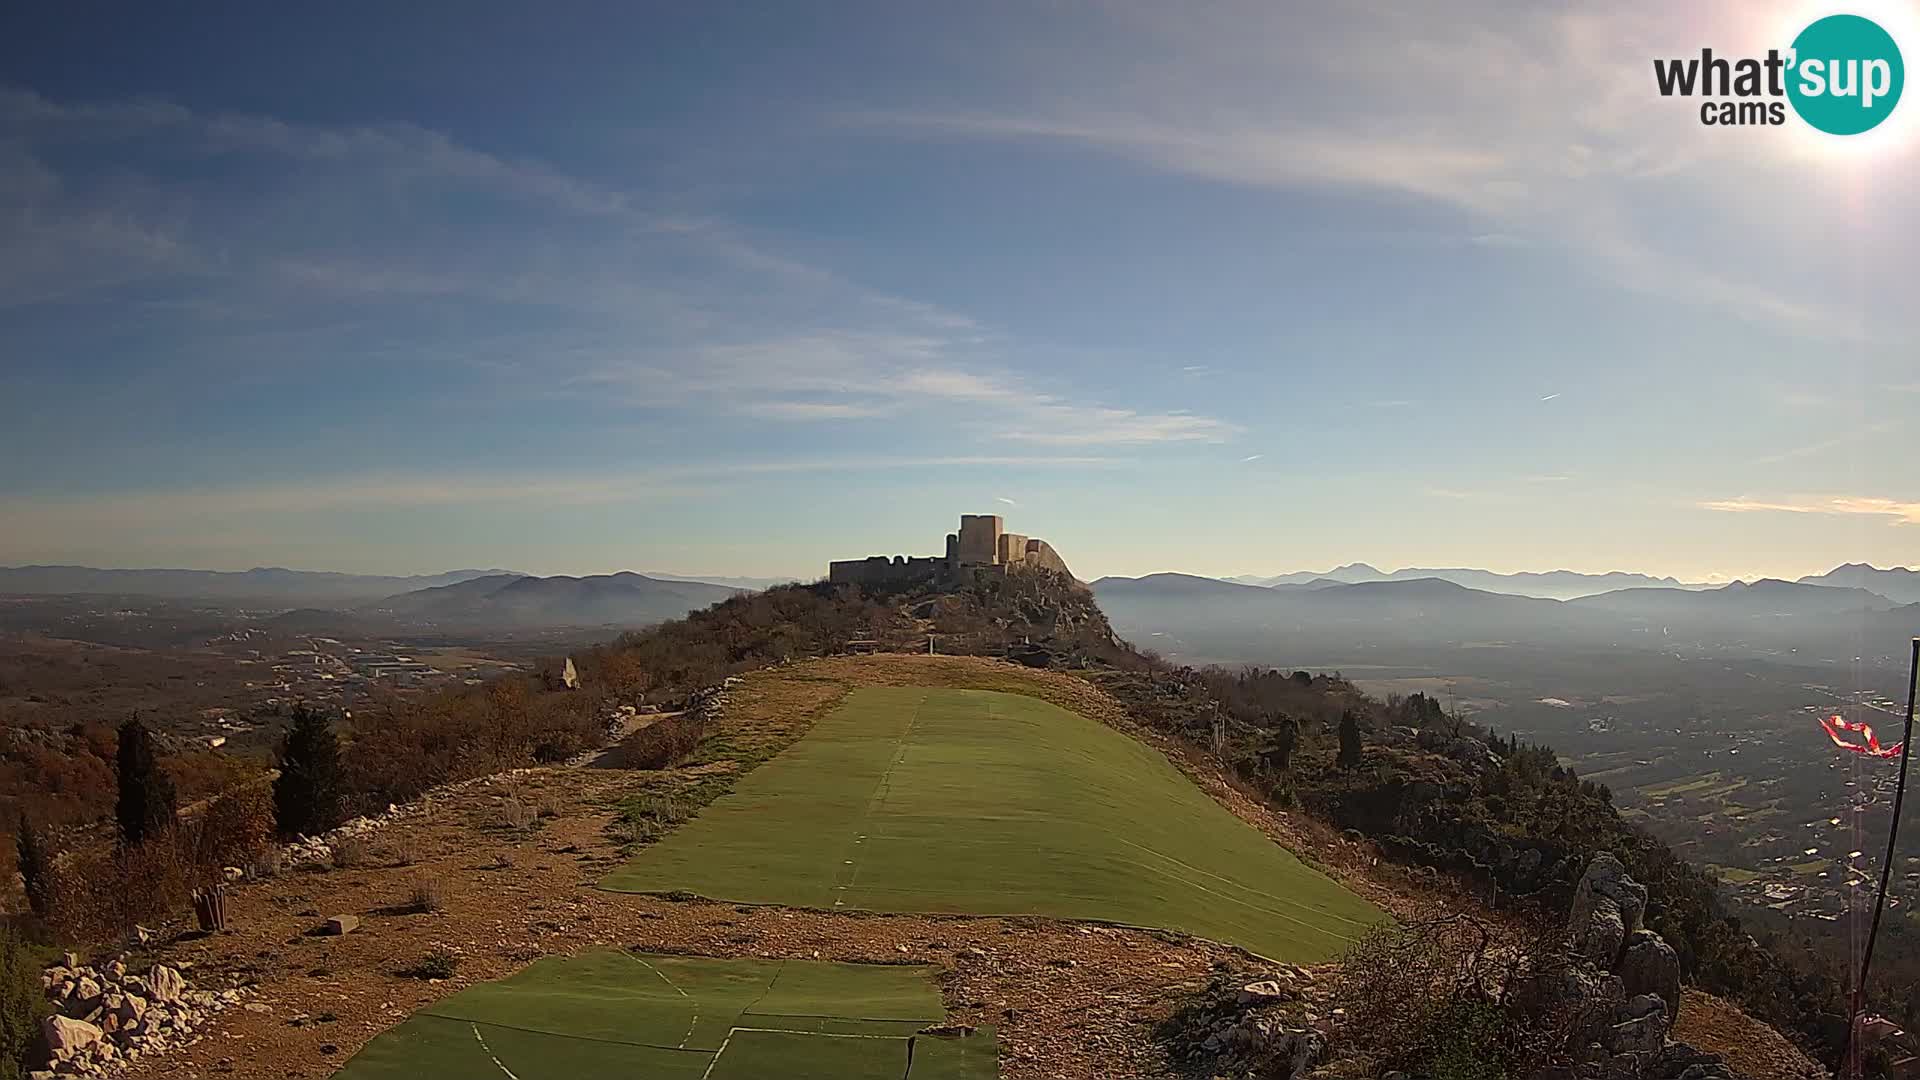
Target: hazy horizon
[(1210, 291)]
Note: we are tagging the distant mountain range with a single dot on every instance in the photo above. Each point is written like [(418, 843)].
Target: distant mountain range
[(279, 587), (1210, 619), (1553, 585), (752, 584), (266, 585), (1896, 583), (515, 600)]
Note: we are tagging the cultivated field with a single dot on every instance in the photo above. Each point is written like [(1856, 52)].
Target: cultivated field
[(615, 1013), (986, 803)]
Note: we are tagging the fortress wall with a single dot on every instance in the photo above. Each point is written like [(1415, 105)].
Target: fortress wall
[(880, 570), (1040, 553)]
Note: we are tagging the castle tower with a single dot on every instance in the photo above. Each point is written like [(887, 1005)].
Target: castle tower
[(979, 543)]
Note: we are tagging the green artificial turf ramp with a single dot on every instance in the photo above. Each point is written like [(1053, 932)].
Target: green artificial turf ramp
[(977, 802), (762, 1055), (639, 1016)]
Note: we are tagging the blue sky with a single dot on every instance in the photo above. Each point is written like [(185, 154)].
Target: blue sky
[(732, 288)]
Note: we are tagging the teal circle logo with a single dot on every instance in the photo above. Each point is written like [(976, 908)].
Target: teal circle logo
[(1846, 75)]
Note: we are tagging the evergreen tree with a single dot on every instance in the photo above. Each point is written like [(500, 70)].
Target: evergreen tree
[(32, 858), (1284, 735), (22, 1004), (307, 795), (147, 804), (1349, 740)]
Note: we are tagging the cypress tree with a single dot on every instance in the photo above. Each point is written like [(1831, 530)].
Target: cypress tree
[(31, 857), (1349, 740), (307, 793), (147, 805)]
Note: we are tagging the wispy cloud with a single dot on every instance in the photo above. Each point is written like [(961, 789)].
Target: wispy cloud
[(1520, 162), (1901, 513)]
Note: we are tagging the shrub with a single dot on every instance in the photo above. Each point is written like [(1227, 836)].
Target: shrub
[(660, 743), (235, 828), (146, 804), (22, 1005), (307, 795), (405, 851), (439, 963), (517, 815), (1442, 999), (350, 851), (426, 896), (100, 894)]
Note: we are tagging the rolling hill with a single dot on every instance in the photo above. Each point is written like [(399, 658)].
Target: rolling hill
[(261, 585), (517, 600)]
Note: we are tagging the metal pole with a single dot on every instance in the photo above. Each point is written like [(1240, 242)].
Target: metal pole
[(1851, 1061)]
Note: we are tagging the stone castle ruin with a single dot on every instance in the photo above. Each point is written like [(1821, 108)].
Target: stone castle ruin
[(982, 546)]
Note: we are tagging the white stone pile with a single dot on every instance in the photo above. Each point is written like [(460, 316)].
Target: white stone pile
[(106, 1017), (310, 850)]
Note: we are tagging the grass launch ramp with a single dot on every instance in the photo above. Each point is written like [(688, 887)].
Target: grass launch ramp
[(985, 803), (624, 1014)]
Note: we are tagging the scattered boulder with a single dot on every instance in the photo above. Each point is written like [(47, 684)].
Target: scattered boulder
[(340, 924), (1264, 993), (66, 1036), (165, 984)]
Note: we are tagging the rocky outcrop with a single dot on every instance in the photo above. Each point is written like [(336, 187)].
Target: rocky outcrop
[(1268, 1028), (1622, 987), (1649, 967), (1607, 907)]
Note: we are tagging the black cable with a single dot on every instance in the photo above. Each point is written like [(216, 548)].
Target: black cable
[(1886, 867)]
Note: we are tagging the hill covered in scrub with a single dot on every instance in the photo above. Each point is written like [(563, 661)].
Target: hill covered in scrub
[(1428, 789), (1416, 812)]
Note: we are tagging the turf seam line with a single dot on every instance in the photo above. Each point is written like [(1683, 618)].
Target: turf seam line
[(559, 1034), (482, 1040), (691, 1025), (818, 1034), (880, 792), (849, 1019)]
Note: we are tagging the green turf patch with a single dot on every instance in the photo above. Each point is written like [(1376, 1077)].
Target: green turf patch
[(976, 802), (977, 1055), (619, 1014), (757, 1055)]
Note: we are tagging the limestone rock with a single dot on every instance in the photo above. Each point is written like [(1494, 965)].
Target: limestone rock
[(67, 1036), (1608, 906), (1263, 993), (165, 984), (1645, 1035), (1650, 966)]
